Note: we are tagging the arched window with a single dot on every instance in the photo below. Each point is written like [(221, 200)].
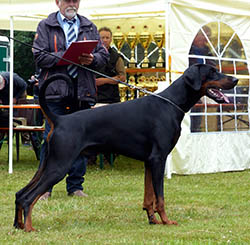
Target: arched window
[(218, 44)]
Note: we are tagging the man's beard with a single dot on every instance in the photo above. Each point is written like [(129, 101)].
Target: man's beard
[(70, 12)]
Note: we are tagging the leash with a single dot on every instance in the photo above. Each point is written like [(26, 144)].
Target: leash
[(97, 72)]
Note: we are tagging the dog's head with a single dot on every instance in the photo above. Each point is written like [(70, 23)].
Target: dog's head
[(208, 81)]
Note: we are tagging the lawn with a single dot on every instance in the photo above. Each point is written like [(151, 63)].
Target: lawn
[(210, 208)]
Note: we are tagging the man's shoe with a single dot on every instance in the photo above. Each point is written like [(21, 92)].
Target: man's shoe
[(45, 196), (78, 193)]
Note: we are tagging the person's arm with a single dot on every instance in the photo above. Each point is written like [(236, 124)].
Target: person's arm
[(42, 43), (20, 87), (101, 54), (120, 69)]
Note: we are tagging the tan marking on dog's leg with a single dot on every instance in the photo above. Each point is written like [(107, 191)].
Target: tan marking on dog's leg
[(20, 217), (160, 206), (28, 223), (149, 198)]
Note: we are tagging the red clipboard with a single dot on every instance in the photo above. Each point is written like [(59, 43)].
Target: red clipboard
[(76, 49)]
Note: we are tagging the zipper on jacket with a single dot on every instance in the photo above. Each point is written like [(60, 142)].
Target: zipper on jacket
[(55, 43)]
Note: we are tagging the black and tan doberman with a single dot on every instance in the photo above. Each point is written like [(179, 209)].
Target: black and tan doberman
[(145, 129)]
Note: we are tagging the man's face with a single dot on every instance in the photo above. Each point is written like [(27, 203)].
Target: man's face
[(106, 38), (68, 8)]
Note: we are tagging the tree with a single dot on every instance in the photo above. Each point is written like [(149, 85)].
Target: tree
[(24, 64)]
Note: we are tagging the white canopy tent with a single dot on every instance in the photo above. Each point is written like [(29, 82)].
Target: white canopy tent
[(29, 12), (194, 153), (207, 152)]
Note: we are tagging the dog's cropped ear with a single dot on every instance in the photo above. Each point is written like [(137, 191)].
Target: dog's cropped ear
[(192, 77)]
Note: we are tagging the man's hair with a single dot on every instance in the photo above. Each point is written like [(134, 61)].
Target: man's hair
[(105, 29)]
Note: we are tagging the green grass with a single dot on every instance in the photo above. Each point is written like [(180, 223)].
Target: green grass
[(210, 208)]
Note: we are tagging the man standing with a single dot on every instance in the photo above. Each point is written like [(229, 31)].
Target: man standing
[(107, 89), (54, 35)]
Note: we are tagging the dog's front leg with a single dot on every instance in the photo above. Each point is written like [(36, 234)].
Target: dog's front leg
[(160, 207), (158, 184), (149, 197)]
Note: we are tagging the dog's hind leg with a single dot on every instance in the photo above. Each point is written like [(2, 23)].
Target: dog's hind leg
[(18, 222), (23, 209), (27, 216), (28, 196), (149, 197)]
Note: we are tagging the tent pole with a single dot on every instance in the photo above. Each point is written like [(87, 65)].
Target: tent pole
[(168, 65), (11, 96), (167, 38)]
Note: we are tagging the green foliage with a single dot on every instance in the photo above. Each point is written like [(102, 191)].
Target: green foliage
[(210, 208), (24, 64), (23, 58)]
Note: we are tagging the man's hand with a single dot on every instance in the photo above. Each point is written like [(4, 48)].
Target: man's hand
[(86, 59)]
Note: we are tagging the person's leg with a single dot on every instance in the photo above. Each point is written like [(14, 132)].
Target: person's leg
[(37, 137), (75, 175)]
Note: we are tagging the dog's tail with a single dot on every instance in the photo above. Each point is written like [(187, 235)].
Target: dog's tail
[(51, 117)]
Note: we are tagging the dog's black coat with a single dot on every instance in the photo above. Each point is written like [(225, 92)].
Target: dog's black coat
[(146, 129)]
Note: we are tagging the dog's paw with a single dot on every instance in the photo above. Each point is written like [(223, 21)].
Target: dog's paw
[(170, 222)]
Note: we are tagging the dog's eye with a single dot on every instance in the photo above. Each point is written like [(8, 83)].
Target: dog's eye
[(214, 75)]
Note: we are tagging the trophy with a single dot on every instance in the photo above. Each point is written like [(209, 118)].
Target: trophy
[(118, 39), (152, 85), (145, 40), (159, 38), (132, 39), (163, 78), (131, 81), (123, 92), (141, 84)]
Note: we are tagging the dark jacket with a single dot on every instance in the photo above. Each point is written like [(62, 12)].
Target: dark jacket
[(50, 37), (109, 93), (19, 87)]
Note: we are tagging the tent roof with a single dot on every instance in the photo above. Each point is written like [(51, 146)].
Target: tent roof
[(239, 7), (27, 13)]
